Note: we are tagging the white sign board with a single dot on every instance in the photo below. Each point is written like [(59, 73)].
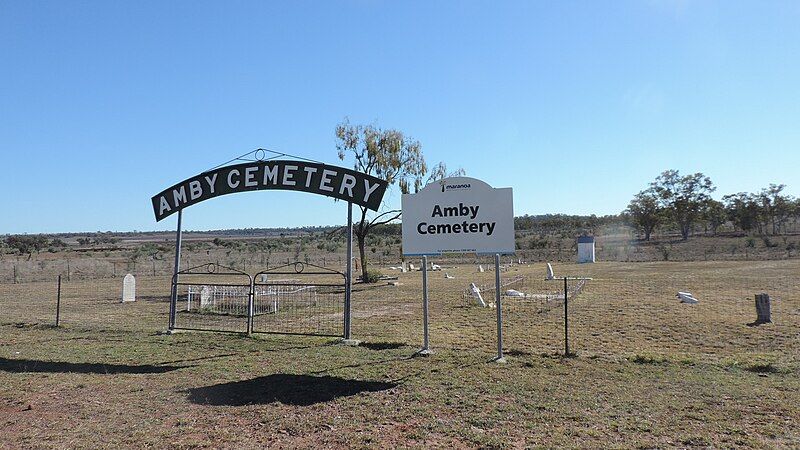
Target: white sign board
[(458, 215)]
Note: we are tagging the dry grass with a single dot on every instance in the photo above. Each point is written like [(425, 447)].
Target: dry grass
[(649, 372)]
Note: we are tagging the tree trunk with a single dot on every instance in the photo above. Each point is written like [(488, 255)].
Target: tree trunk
[(362, 251), (685, 231)]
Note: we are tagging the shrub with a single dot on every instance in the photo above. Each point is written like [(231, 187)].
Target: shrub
[(371, 276)]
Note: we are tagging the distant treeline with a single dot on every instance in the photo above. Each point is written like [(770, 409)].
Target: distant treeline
[(683, 203), (672, 203), (563, 223)]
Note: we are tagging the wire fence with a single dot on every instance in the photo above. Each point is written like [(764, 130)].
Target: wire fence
[(626, 310)]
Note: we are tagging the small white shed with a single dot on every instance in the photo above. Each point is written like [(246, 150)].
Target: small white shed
[(586, 249)]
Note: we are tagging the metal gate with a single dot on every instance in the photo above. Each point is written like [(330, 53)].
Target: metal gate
[(211, 297), (299, 298)]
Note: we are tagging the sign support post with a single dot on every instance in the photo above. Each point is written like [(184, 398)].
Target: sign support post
[(348, 290), (426, 349), (499, 305), (173, 298)]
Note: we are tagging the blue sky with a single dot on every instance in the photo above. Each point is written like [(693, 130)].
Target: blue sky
[(576, 105)]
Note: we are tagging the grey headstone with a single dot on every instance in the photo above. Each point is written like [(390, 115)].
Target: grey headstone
[(763, 309)]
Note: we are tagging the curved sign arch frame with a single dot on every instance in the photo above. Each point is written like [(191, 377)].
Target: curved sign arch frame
[(273, 174), (289, 175)]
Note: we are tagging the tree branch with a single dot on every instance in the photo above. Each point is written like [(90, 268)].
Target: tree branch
[(375, 222)]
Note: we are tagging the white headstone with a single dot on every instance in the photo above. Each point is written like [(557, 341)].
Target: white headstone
[(411, 266), (480, 268), (403, 268), (129, 288), (476, 294), (448, 276), (550, 274), (687, 297), (205, 297)]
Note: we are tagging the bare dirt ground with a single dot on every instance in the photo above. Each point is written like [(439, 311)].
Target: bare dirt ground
[(649, 372)]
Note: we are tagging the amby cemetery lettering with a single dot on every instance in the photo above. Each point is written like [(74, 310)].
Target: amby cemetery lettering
[(458, 215), (316, 178), (471, 212)]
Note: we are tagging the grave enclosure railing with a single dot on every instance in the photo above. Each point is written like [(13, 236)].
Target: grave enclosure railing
[(296, 298)]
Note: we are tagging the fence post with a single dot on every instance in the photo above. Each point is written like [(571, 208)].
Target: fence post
[(58, 302), (566, 318), (251, 307)]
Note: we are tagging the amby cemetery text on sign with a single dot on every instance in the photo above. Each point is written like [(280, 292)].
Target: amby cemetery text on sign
[(317, 178), (458, 215)]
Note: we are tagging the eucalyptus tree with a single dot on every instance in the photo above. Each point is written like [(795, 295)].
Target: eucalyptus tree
[(743, 211), (388, 154), (776, 208), (684, 197), (715, 215), (645, 212)]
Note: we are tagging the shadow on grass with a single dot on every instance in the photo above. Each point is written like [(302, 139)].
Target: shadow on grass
[(382, 345), (298, 390), (32, 365)]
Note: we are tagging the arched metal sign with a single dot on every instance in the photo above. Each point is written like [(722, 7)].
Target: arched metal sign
[(281, 174), (316, 178)]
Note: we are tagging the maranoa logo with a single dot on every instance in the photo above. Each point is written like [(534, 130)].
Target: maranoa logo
[(451, 187)]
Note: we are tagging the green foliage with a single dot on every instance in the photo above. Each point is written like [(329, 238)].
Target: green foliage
[(742, 210), (328, 246), (683, 197), (26, 244), (645, 212), (388, 154), (567, 225), (715, 215), (768, 242), (371, 276), (149, 249), (58, 243)]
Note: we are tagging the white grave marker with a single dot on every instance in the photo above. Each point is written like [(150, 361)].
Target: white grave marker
[(476, 294), (128, 288), (205, 297)]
